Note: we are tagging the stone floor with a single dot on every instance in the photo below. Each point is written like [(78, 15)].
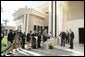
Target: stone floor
[(77, 47), (57, 51), (77, 51)]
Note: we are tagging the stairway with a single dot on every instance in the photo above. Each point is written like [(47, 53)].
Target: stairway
[(52, 41)]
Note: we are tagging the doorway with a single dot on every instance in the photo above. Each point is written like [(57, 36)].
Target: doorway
[(81, 35)]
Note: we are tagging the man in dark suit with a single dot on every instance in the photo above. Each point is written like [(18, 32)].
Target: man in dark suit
[(23, 40), (71, 36), (63, 36), (39, 39), (67, 37), (33, 43), (20, 38), (28, 36), (10, 39), (10, 36)]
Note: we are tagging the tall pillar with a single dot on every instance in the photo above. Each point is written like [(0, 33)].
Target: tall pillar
[(27, 26), (59, 17), (50, 17), (24, 27), (54, 19)]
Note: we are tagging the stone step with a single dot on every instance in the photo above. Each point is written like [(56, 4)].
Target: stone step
[(52, 41)]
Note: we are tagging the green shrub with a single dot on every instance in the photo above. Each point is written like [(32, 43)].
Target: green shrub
[(50, 46), (4, 45)]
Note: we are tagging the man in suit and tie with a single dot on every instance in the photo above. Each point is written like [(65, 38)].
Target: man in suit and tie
[(63, 36), (71, 36)]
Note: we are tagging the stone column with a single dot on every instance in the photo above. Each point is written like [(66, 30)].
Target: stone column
[(27, 27), (59, 20), (50, 17), (54, 19), (24, 29), (59, 17)]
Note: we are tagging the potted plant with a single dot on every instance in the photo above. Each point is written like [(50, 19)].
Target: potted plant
[(50, 46)]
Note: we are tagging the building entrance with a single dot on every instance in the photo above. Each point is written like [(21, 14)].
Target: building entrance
[(81, 35)]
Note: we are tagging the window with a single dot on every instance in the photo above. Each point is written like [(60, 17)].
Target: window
[(38, 28), (34, 27)]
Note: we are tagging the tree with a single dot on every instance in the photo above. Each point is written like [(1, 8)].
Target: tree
[(5, 25), (5, 21), (2, 9)]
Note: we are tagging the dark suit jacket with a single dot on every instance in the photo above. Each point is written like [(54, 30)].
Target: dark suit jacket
[(67, 35), (63, 35), (10, 37), (28, 36), (33, 37), (23, 36), (71, 35), (39, 37)]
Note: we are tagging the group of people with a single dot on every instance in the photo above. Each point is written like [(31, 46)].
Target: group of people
[(67, 37), (15, 40), (41, 36), (18, 39)]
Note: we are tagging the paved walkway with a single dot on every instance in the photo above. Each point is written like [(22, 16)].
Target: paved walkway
[(77, 51), (57, 51), (77, 47)]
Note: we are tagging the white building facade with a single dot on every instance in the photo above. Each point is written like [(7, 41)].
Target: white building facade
[(65, 15), (56, 16), (29, 19)]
